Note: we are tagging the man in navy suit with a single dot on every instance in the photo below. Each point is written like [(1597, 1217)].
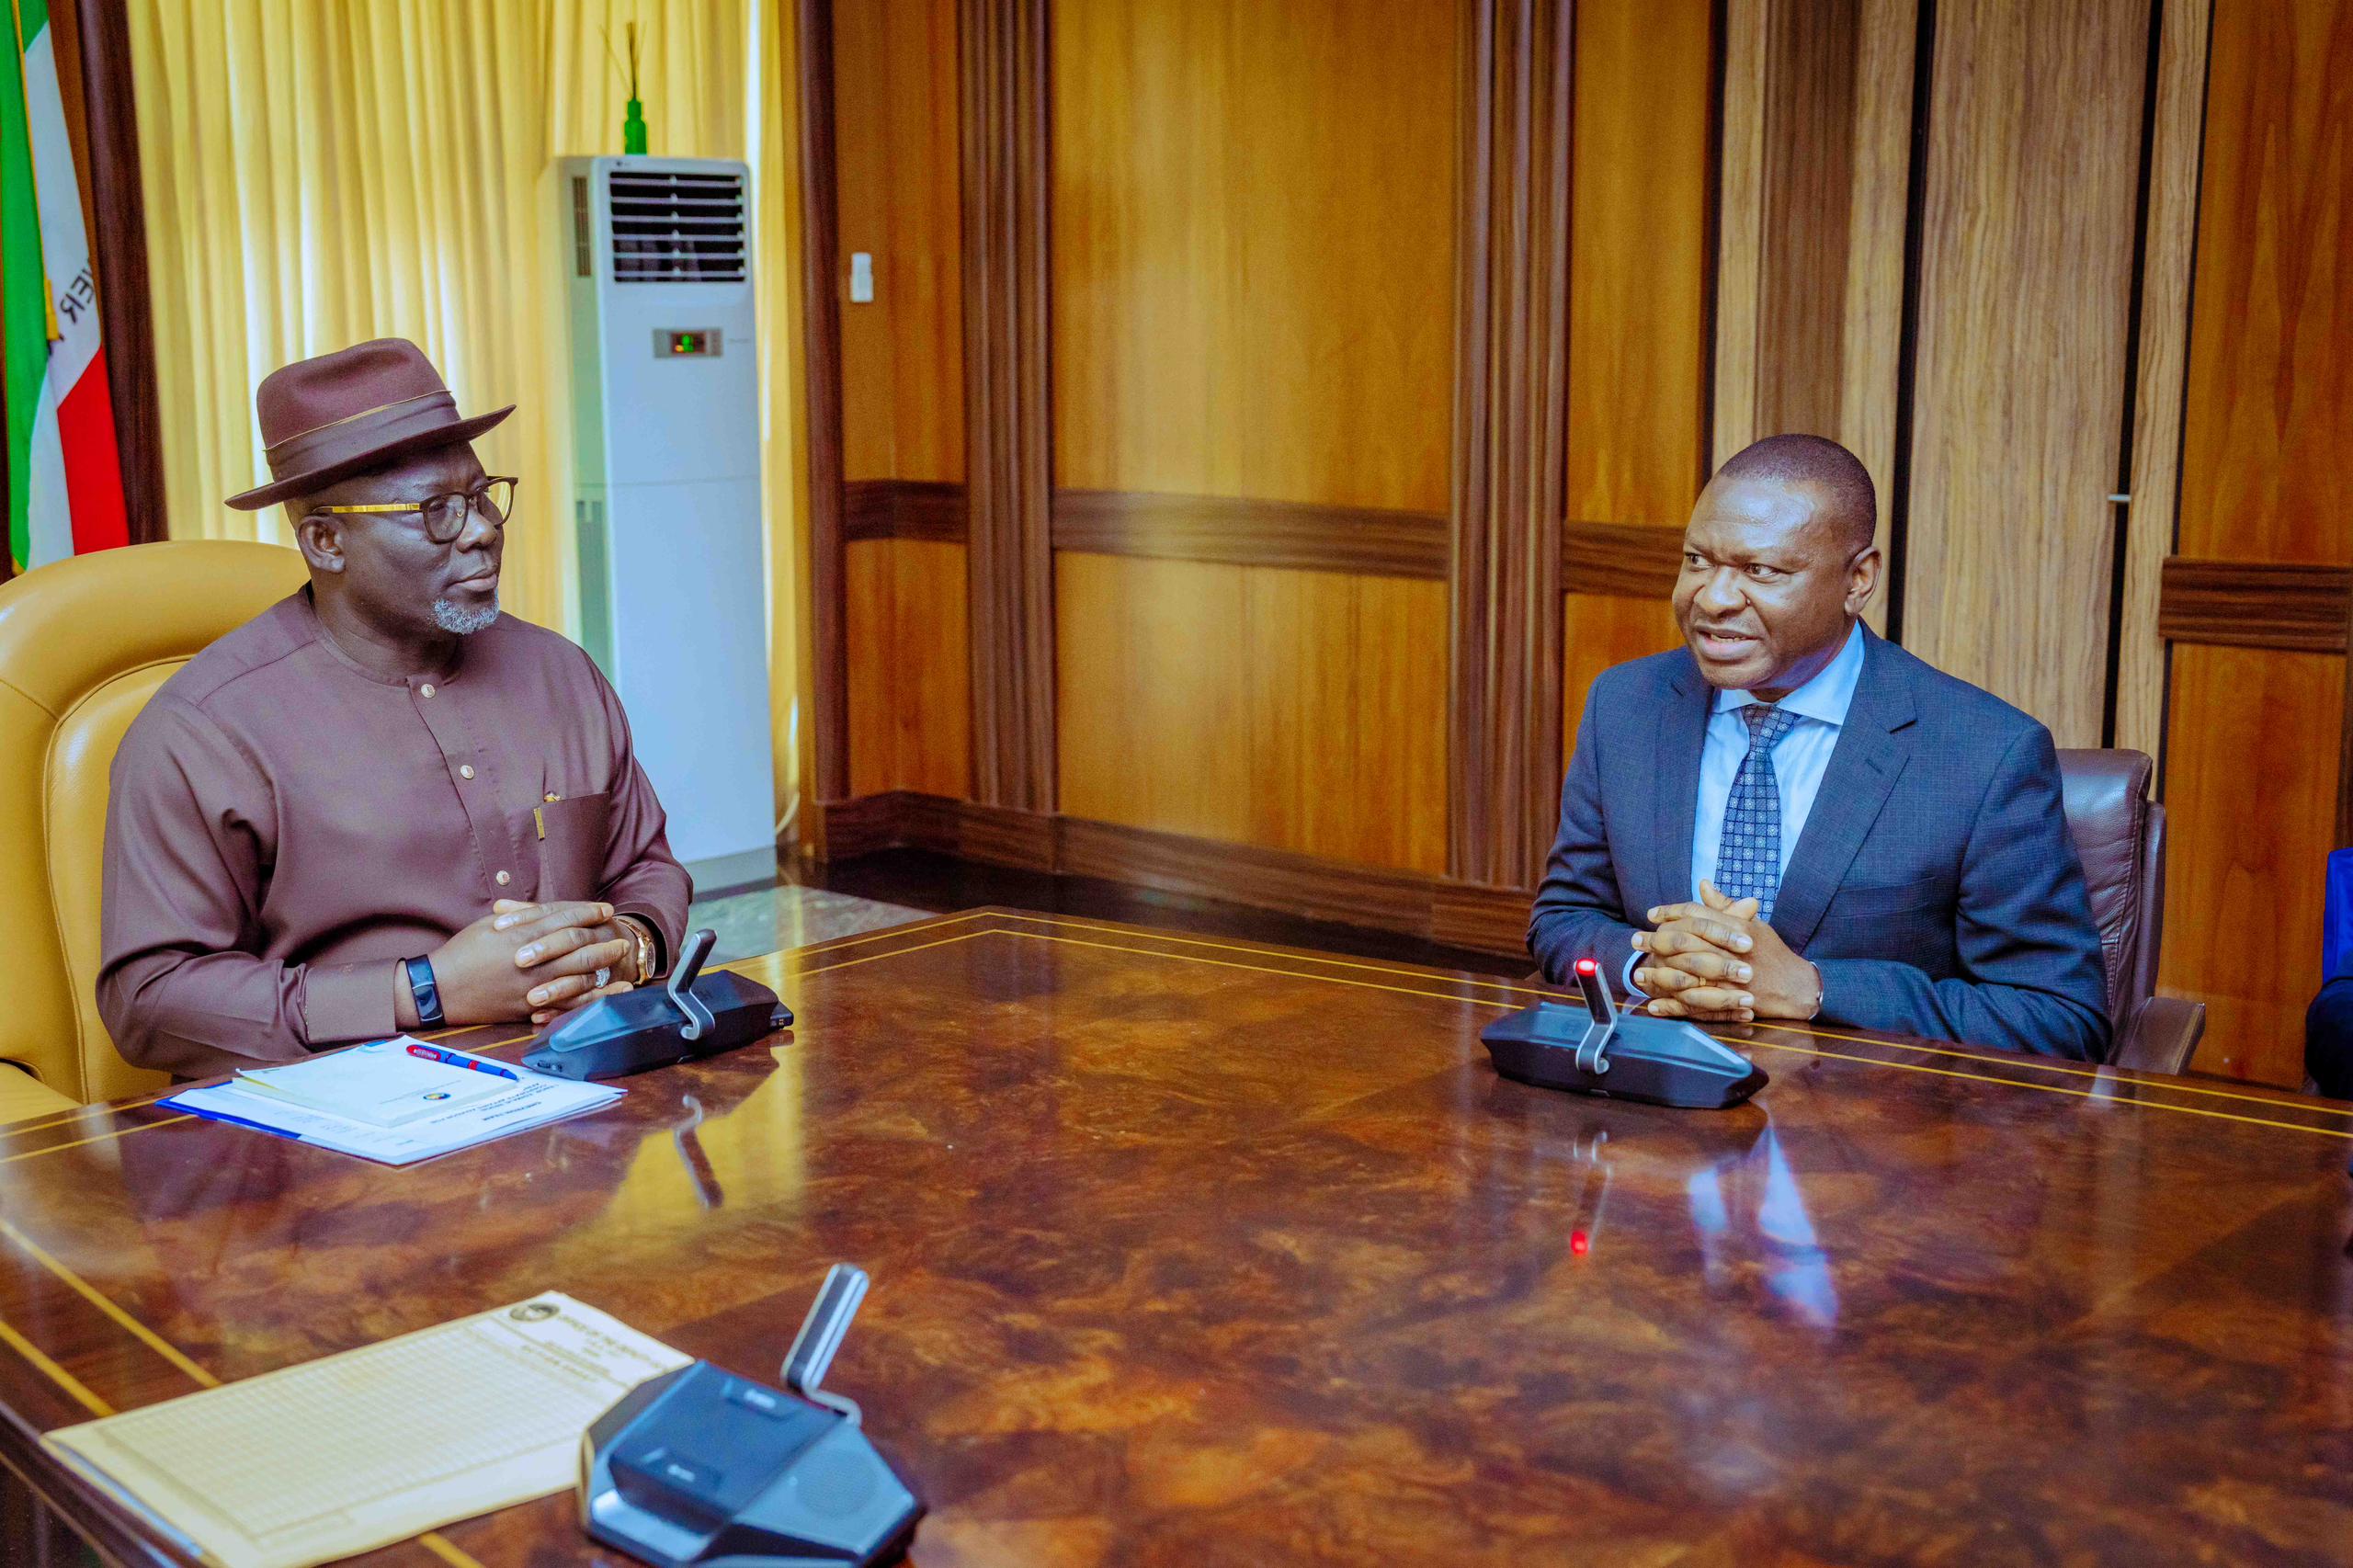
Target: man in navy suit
[(1790, 818)]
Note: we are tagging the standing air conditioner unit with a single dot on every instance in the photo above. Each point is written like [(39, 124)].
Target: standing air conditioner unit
[(666, 463)]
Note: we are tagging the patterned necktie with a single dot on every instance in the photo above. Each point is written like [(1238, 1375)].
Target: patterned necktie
[(1748, 858)]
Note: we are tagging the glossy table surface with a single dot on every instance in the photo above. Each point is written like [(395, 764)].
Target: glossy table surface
[(1191, 1252)]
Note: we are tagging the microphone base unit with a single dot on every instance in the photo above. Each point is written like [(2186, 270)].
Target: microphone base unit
[(694, 1016), (1655, 1060)]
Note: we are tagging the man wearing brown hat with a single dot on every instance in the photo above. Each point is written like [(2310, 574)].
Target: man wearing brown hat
[(380, 804)]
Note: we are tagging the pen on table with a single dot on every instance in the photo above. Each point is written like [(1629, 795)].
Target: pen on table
[(452, 1058)]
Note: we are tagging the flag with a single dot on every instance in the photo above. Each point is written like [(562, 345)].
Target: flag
[(64, 476)]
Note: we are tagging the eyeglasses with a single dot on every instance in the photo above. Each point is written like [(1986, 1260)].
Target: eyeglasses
[(445, 516)]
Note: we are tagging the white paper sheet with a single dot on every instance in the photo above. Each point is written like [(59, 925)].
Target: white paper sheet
[(386, 1083), (354, 1452), (534, 1101)]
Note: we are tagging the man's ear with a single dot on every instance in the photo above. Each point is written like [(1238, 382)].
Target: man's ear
[(1863, 579), (320, 538)]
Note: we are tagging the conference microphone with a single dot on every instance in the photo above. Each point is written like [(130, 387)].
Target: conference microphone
[(694, 1016), (1602, 1050), (702, 1469)]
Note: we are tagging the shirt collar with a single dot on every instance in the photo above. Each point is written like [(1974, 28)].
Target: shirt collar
[(1826, 697)]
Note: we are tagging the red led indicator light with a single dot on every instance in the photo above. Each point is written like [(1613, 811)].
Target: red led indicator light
[(1579, 1243), (1587, 966)]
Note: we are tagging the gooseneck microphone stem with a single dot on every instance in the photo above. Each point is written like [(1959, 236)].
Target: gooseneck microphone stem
[(682, 980)]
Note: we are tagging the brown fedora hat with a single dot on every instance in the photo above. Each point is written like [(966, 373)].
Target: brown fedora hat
[(326, 418)]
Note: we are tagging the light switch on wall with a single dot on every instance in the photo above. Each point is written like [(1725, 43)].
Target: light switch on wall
[(861, 277)]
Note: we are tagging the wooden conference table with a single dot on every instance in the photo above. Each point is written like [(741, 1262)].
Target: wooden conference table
[(1193, 1252)]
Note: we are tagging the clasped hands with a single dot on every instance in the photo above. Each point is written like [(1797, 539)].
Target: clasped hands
[(535, 960), (1715, 962)]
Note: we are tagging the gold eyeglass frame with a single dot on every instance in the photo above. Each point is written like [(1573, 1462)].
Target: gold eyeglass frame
[(473, 499)]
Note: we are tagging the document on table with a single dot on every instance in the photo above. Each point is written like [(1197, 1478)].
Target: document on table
[(354, 1452), (386, 1083), (531, 1099)]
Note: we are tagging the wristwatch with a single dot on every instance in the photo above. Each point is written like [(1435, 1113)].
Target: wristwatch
[(649, 957), (422, 987)]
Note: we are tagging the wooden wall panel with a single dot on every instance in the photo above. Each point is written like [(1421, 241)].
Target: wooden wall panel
[(910, 698), (2029, 210), (1302, 710), (2253, 777), (2250, 801), (823, 662), (1510, 430), (1008, 422), (1252, 285), (2271, 344), (905, 659), (1245, 532), (1605, 630), (1639, 261), (1640, 276), (2168, 255), (1817, 127), (1252, 297), (2254, 604), (902, 365)]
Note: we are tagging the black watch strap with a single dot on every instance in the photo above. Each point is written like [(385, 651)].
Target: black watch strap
[(427, 993)]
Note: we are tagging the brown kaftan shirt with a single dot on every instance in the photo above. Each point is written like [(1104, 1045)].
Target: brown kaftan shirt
[(283, 825)]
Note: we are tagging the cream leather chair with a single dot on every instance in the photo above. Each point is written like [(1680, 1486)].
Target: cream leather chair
[(83, 643)]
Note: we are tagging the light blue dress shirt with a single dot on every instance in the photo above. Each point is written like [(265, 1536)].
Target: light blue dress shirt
[(1799, 763)]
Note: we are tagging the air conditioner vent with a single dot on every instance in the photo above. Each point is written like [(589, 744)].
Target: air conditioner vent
[(677, 228)]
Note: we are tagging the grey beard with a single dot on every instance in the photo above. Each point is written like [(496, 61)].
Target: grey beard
[(464, 622)]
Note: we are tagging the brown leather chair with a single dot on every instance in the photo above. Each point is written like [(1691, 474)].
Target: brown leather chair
[(83, 643), (2120, 835)]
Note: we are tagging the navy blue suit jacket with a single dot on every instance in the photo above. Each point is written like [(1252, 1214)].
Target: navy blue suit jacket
[(1935, 885), (2328, 1038)]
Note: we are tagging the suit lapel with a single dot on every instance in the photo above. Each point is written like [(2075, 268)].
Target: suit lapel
[(1682, 735), (1873, 746)]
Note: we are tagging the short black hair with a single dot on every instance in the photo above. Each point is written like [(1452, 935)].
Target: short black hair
[(1817, 460)]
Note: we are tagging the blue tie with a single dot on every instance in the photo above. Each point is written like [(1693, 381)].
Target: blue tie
[(1748, 858)]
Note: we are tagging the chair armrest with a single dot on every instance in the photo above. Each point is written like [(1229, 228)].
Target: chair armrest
[(24, 1096), (2162, 1036)]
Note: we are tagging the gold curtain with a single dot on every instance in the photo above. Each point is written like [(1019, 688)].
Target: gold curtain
[(322, 172)]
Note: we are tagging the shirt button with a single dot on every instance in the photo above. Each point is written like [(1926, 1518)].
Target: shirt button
[(426, 690), (502, 878), (465, 770)]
